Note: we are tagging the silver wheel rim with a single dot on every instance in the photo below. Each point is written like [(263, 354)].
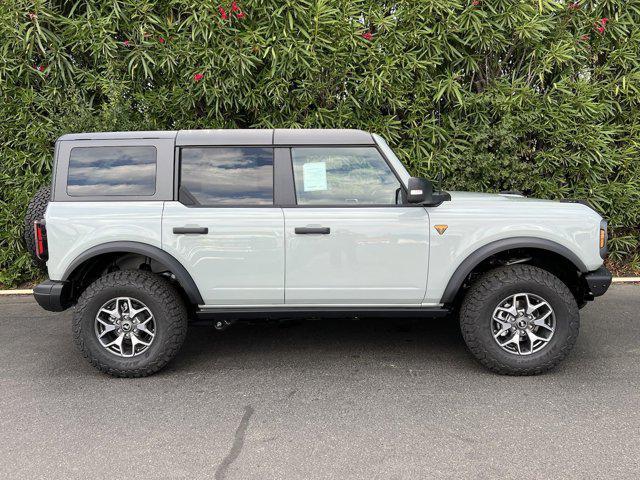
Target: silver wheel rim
[(125, 326), (523, 324)]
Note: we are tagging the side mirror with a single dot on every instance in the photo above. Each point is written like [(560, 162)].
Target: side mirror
[(420, 191)]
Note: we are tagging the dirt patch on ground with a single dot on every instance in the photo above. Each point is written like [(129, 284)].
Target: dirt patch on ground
[(22, 286), (620, 269)]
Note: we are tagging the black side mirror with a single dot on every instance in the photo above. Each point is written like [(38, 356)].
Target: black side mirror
[(420, 191)]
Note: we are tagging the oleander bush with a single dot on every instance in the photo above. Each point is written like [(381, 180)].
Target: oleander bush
[(540, 96)]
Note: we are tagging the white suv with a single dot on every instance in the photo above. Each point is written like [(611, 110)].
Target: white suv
[(144, 230)]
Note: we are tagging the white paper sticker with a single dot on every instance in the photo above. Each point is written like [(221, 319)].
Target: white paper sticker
[(314, 176)]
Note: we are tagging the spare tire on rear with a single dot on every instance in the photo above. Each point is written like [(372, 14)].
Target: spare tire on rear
[(35, 211)]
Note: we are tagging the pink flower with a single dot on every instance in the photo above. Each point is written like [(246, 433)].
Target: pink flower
[(126, 43), (367, 36), (475, 3), (197, 77), (601, 24), (223, 13), (584, 38), (161, 40), (32, 16), (235, 7), (240, 15), (39, 68)]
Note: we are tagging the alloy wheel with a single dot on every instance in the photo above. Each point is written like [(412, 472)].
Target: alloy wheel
[(125, 326), (523, 323)]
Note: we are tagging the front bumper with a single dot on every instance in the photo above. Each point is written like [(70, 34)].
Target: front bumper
[(598, 281), (53, 295)]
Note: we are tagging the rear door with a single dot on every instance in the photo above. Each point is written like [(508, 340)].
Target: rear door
[(349, 239), (224, 228)]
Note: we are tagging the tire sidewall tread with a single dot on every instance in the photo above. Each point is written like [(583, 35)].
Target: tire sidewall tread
[(495, 285), (35, 211), (155, 292)]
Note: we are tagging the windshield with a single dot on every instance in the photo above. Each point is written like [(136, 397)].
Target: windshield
[(393, 160)]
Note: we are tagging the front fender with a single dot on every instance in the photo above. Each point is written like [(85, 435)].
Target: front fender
[(481, 225), (484, 252)]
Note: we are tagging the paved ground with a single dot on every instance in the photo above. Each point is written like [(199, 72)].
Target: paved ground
[(333, 399)]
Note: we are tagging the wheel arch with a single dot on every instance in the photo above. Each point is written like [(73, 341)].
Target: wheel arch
[(181, 274), (475, 259)]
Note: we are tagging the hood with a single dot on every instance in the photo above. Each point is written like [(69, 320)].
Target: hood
[(477, 197), (495, 200)]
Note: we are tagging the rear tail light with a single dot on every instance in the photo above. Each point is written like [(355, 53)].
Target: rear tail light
[(40, 232)]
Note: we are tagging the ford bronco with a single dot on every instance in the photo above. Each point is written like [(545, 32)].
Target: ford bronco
[(142, 231)]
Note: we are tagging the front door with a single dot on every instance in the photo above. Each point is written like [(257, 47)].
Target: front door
[(349, 240), (225, 229)]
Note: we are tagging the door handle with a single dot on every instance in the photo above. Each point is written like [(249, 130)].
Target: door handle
[(312, 230), (190, 230)]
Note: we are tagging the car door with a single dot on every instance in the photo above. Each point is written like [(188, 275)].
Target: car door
[(224, 228), (349, 239)]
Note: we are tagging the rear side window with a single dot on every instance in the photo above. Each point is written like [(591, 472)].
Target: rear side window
[(112, 171), (213, 176)]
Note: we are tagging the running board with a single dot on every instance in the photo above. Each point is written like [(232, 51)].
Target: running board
[(323, 312)]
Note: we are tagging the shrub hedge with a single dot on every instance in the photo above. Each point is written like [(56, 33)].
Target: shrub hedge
[(539, 96)]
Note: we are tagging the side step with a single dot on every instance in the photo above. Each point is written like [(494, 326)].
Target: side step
[(322, 312)]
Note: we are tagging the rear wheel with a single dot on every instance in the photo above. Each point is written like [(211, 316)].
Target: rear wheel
[(35, 211), (519, 320), (130, 323)]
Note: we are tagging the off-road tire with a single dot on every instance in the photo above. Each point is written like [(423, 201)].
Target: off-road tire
[(484, 296), (35, 211), (156, 293)]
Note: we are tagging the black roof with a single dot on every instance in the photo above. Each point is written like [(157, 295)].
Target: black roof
[(275, 136)]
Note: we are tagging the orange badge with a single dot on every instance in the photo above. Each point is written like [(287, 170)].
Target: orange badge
[(441, 228)]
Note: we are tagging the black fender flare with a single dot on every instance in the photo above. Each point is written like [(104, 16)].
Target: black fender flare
[(484, 252), (182, 275)]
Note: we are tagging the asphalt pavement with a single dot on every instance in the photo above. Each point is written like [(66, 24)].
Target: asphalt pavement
[(321, 399)]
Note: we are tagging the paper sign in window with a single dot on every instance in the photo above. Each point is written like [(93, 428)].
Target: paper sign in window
[(314, 175)]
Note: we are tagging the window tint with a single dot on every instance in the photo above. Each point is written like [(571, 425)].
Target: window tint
[(228, 176), (336, 176), (96, 171)]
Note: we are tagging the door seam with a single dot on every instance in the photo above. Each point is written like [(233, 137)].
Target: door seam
[(284, 247), (427, 273), (162, 226)]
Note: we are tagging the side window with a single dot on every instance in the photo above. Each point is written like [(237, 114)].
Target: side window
[(211, 176), (343, 176), (112, 171)]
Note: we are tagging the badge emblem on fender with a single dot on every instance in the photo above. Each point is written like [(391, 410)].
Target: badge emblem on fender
[(441, 228)]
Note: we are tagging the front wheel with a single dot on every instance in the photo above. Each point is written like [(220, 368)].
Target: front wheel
[(130, 323), (519, 320)]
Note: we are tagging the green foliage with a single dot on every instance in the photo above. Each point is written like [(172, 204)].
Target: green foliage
[(535, 95)]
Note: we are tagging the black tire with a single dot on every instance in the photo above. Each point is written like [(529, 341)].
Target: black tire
[(168, 309), (487, 293), (35, 211)]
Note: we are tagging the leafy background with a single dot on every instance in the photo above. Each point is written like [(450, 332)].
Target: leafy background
[(539, 96)]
